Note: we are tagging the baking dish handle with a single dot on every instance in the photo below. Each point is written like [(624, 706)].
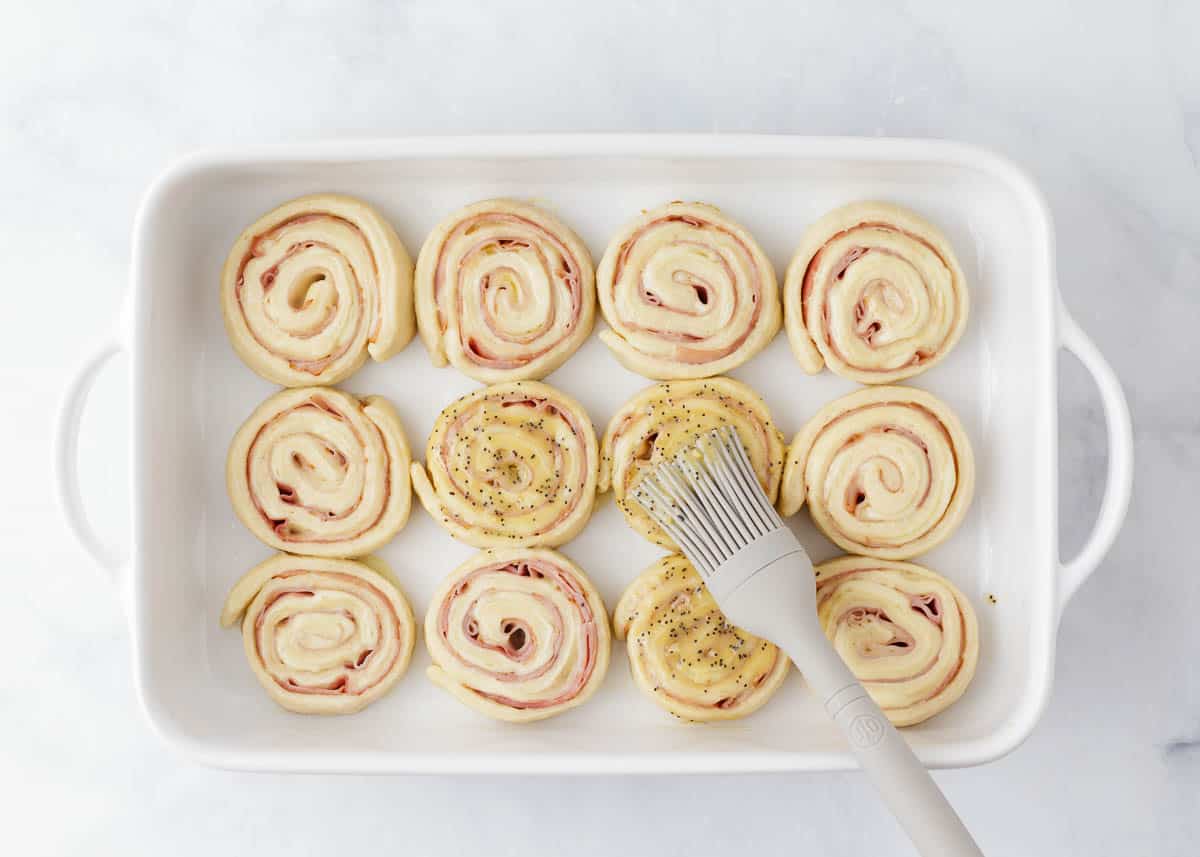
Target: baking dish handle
[(66, 455), (1119, 482)]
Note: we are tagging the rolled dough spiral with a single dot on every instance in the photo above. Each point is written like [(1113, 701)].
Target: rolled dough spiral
[(320, 472), (875, 293), (685, 655), (886, 471), (519, 634), (510, 465), (906, 633), (661, 420), (314, 286), (323, 636), (687, 293), (505, 292)]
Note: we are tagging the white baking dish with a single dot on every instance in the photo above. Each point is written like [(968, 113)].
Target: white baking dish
[(191, 392)]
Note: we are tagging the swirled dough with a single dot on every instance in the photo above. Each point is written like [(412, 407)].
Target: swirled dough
[(519, 634), (875, 293), (886, 471), (661, 420), (320, 472), (906, 633), (511, 465), (505, 291), (323, 636), (687, 293), (685, 655), (314, 286)]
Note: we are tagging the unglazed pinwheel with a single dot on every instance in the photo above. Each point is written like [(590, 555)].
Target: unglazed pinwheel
[(314, 286), (875, 293), (685, 655), (906, 633), (510, 465), (886, 471), (687, 293), (504, 291), (661, 420), (317, 471), (323, 636), (519, 634)]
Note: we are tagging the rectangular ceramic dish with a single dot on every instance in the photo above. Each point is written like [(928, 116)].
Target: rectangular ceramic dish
[(190, 392)]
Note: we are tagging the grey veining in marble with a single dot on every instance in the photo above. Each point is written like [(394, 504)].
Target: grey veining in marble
[(1100, 101)]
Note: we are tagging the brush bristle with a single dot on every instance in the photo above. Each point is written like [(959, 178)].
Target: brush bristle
[(708, 500)]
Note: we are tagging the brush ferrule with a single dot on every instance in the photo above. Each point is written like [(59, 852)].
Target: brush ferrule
[(751, 559)]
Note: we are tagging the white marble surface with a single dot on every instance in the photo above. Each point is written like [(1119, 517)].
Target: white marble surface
[(1100, 101)]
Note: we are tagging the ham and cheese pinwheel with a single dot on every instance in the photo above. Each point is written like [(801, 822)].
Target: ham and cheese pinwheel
[(313, 287), (504, 291), (906, 633), (685, 655), (511, 465), (687, 293), (519, 634), (661, 420), (886, 471), (323, 636), (875, 293), (320, 472)]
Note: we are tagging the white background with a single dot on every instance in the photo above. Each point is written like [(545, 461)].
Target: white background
[(1099, 101)]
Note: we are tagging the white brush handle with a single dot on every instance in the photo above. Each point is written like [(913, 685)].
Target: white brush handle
[(899, 777)]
